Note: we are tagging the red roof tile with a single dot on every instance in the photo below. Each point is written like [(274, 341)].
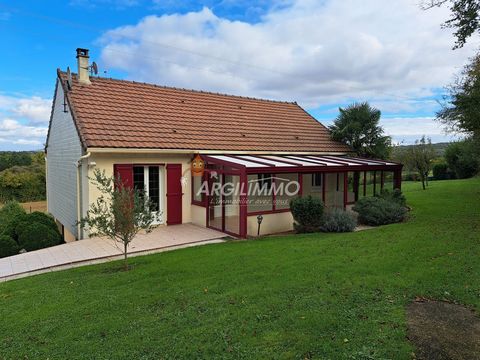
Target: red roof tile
[(124, 114)]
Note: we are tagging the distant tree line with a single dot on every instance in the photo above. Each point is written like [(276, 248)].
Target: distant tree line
[(22, 176)]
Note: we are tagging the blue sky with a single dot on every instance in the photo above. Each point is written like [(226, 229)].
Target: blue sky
[(322, 54)]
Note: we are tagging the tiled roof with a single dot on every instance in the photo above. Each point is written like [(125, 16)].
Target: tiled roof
[(124, 114)]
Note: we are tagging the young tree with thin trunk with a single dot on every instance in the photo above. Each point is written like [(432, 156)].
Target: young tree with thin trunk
[(419, 158), (119, 213)]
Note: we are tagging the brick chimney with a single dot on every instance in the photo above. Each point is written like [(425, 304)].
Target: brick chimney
[(83, 67)]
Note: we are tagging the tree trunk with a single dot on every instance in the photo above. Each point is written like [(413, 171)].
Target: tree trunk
[(423, 181), (125, 260)]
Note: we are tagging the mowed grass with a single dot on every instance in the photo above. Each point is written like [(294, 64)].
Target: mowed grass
[(328, 296)]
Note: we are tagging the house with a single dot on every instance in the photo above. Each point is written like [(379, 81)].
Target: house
[(178, 145)]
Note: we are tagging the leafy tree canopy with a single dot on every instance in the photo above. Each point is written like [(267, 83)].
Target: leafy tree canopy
[(464, 18), (419, 158), (357, 125), (460, 110)]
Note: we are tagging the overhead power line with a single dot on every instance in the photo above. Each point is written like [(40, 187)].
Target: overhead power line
[(102, 32)]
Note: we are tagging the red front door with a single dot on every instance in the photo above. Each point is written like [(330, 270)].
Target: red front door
[(174, 194)]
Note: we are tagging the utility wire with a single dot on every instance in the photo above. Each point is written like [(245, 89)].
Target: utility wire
[(102, 32)]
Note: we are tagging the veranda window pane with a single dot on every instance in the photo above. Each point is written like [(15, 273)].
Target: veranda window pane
[(351, 186), (215, 207), (260, 195), (388, 180), (361, 185), (197, 184), (308, 187), (232, 204), (371, 183), (286, 187)]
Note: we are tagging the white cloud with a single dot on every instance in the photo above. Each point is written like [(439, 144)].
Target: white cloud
[(316, 52), (27, 142), (11, 130), (408, 129), (36, 109), (412, 126), (23, 122)]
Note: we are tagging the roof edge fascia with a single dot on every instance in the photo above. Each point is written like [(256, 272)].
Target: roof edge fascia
[(100, 150)]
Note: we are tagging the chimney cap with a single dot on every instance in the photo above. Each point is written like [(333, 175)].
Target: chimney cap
[(82, 52)]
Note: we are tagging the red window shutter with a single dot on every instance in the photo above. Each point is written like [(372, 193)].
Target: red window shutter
[(174, 194), (125, 173)]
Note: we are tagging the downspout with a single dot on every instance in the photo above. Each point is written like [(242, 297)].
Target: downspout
[(79, 208)]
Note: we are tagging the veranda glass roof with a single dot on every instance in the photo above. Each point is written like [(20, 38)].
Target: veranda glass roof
[(299, 163)]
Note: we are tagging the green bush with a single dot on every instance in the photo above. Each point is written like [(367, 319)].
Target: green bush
[(378, 211), (10, 213), (395, 196), (8, 246), (36, 236), (440, 171), (37, 218), (307, 213), (462, 158), (338, 220), (41, 218)]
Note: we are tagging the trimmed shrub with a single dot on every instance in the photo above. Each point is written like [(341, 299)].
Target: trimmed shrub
[(36, 236), (307, 213), (440, 171), (378, 211), (10, 214), (38, 217), (395, 196), (8, 246), (338, 220)]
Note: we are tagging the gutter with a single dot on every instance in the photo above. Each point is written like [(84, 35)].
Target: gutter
[(212, 152), (79, 207)]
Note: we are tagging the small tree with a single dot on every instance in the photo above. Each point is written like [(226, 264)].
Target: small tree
[(119, 213), (419, 158)]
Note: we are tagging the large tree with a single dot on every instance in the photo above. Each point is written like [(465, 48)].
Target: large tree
[(461, 108), (357, 125), (464, 19)]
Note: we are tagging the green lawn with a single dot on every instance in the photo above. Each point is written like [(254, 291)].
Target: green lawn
[(329, 296)]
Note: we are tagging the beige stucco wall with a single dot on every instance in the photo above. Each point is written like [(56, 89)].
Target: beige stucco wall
[(68, 236), (271, 224), (106, 161), (199, 216)]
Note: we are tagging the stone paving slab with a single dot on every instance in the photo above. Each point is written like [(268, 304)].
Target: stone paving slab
[(96, 250)]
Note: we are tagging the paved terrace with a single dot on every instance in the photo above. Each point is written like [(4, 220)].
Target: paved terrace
[(97, 250)]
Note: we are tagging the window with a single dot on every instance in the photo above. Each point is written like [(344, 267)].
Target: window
[(154, 187), (197, 196), (265, 180), (388, 183), (371, 180), (317, 179), (260, 196), (139, 178), (287, 188)]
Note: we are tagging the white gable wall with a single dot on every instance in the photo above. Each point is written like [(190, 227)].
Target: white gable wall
[(63, 151)]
